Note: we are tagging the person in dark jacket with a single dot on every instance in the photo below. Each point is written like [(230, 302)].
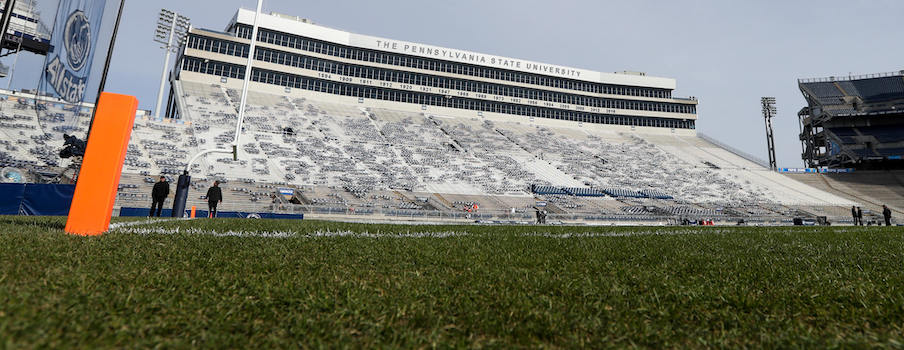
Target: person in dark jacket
[(859, 216), (854, 214), (887, 214), (158, 195), (214, 197)]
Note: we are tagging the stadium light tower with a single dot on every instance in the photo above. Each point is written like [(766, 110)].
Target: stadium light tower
[(770, 111), (172, 29)]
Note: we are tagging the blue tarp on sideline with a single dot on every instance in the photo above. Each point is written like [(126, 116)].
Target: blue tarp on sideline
[(47, 200), (35, 199), (11, 198), (54, 200)]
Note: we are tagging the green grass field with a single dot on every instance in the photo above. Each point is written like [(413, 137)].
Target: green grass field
[(256, 284)]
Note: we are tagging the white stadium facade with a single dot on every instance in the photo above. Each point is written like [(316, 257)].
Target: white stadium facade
[(380, 129), (296, 54)]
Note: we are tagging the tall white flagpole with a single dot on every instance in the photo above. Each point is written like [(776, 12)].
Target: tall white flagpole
[(238, 125)]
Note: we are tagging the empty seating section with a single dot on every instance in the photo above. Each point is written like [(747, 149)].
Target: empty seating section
[(841, 111), (884, 134), (686, 211), (891, 152), (873, 90), (845, 134), (592, 192), (655, 194), (849, 88), (619, 192), (31, 132), (887, 140), (824, 89), (548, 190), (827, 93), (880, 89), (348, 157), (583, 192), (864, 152), (753, 183)]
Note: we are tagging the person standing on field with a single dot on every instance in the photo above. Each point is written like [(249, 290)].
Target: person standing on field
[(158, 195), (859, 216), (887, 214), (854, 214), (214, 197)]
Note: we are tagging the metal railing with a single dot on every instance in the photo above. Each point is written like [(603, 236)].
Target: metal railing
[(522, 216), (851, 77), (736, 151)]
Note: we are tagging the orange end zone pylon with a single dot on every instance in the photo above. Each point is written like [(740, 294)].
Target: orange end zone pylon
[(98, 179)]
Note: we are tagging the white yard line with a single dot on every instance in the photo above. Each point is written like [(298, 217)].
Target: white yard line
[(284, 234), (148, 221), (621, 234), (134, 227)]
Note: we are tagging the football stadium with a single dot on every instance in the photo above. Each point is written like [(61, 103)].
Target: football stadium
[(348, 127), (384, 193)]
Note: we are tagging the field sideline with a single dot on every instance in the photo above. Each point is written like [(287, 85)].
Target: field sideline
[(261, 283)]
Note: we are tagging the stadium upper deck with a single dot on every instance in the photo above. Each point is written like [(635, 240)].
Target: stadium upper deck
[(853, 121), (296, 54)]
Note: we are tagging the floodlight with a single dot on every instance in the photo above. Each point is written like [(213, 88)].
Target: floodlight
[(769, 111), (172, 31)]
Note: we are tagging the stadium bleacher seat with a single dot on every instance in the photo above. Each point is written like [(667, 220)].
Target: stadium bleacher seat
[(352, 159)]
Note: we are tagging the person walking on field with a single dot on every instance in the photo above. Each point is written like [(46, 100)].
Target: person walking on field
[(854, 214), (214, 197), (887, 214), (158, 195)]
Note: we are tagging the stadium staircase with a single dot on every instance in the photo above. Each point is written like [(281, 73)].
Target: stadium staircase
[(404, 197), (838, 86), (229, 98), (443, 200)]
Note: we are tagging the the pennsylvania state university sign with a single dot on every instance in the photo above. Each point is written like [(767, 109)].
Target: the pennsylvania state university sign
[(74, 42)]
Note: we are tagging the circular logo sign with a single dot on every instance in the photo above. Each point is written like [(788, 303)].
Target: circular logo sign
[(77, 40)]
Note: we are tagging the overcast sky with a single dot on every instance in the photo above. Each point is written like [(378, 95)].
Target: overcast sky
[(726, 53)]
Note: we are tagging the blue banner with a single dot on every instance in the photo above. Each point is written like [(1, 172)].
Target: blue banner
[(815, 170), (47, 200), (74, 40), (11, 196), (35, 199)]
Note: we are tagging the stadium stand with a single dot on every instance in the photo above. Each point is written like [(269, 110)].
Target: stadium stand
[(366, 161), (370, 147), (354, 131), (853, 122)]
